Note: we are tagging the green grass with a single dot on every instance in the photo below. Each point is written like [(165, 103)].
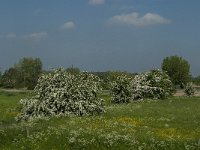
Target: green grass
[(150, 124), (9, 103)]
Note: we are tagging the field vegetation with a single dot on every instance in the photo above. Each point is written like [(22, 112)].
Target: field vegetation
[(173, 123)]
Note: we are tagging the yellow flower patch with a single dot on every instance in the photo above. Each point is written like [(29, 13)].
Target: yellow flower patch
[(173, 133), (12, 114), (127, 120)]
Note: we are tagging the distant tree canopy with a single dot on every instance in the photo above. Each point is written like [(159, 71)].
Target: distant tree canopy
[(73, 70), (24, 74), (177, 68), (110, 76), (9, 78), (196, 80)]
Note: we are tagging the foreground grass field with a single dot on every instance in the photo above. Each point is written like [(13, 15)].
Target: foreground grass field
[(150, 124)]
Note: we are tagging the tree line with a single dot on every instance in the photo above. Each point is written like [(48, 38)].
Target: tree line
[(25, 73)]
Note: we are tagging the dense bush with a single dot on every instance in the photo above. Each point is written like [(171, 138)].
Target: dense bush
[(153, 84), (189, 89), (59, 93), (121, 90)]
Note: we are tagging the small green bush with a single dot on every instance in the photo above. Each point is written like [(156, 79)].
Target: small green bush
[(59, 94)]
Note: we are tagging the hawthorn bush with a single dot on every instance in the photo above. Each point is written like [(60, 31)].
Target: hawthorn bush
[(60, 93), (120, 89), (154, 84)]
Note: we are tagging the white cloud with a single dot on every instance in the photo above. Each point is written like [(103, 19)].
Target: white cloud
[(96, 2), (37, 35), (68, 25), (11, 35), (33, 36), (135, 20)]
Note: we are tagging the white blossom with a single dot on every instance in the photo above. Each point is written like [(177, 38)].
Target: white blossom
[(59, 94)]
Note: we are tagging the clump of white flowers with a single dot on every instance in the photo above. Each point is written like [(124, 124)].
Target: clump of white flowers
[(121, 90), (59, 93), (189, 89), (154, 84)]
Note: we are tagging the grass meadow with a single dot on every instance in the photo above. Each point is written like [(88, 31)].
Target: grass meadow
[(172, 124)]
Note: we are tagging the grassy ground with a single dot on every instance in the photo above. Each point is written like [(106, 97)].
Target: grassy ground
[(9, 105), (151, 124)]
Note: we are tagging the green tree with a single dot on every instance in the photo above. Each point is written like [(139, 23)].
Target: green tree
[(29, 70), (24, 74), (178, 69), (9, 78)]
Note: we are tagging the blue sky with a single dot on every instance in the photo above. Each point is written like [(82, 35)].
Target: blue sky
[(100, 35)]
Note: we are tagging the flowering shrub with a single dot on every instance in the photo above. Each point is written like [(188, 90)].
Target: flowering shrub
[(189, 89), (153, 84), (59, 93), (120, 89)]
